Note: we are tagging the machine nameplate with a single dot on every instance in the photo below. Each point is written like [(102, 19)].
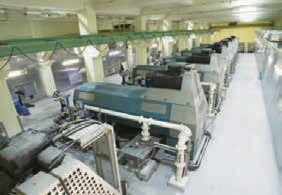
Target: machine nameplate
[(154, 108), (86, 96)]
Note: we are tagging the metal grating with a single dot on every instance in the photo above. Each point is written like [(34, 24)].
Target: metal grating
[(79, 179), (41, 184), (57, 190), (82, 181), (83, 137), (72, 178)]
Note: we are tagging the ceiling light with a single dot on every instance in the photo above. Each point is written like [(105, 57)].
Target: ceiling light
[(70, 62), (244, 2), (247, 17), (69, 70), (33, 12), (246, 9), (246, 13), (2, 11)]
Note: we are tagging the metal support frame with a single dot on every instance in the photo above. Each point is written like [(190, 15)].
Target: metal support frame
[(101, 135), (184, 134), (20, 46), (109, 140)]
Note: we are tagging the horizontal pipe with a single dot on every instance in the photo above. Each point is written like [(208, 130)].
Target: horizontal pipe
[(165, 147), (184, 134), (179, 127)]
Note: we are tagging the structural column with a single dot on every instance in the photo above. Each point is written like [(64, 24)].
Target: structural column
[(165, 44), (167, 41), (93, 59), (181, 44), (46, 74), (47, 78), (8, 115), (141, 54), (141, 49), (191, 40), (182, 40), (198, 40), (98, 63), (160, 44), (129, 55)]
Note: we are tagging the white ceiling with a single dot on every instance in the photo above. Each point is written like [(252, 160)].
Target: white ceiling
[(209, 11)]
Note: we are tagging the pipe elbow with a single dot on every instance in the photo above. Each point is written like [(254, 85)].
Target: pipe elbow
[(185, 132)]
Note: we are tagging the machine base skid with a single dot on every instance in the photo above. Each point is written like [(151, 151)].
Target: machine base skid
[(178, 184)]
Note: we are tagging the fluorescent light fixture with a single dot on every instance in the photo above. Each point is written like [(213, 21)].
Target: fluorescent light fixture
[(247, 9), (68, 70), (248, 17), (246, 13), (114, 53), (154, 17), (70, 62), (34, 12), (16, 73), (245, 2), (2, 11)]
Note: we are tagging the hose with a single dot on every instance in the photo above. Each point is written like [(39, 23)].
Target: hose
[(69, 130)]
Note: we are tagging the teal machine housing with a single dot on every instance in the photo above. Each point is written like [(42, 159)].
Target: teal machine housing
[(186, 106), (184, 55), (186, 52), (140, 70), (169, 59)]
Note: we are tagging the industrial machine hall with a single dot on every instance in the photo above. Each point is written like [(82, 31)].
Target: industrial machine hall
[(141, 97)]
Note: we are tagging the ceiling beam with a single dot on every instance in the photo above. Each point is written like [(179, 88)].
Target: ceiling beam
[(23, 46), (69, 5), (207, 7), (243, 25)]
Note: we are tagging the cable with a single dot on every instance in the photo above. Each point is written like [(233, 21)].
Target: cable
[(142, 36), (83, 50), (9, 58), (21, 52), (133, 42), (66, 50), (50, 57)]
